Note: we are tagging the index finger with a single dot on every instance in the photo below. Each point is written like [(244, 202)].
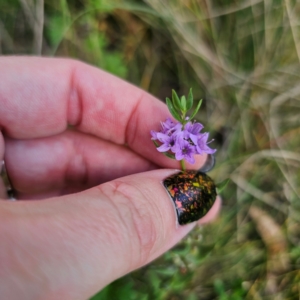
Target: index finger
[(42, 96)]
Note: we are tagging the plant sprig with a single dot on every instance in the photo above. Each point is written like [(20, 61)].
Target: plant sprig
[(182, 140), (179, 107)]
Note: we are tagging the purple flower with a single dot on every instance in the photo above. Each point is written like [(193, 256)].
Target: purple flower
[(169, 126), (201, 145), (192, 131), (168, 142), (184, 150), (183, 142), (153, 134)]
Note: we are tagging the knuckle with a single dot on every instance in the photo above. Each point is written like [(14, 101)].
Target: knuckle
[(139, 218)]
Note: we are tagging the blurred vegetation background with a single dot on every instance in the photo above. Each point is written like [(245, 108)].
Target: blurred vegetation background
[(242, 58)]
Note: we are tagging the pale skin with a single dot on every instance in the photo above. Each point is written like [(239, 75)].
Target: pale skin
[(103, 211)]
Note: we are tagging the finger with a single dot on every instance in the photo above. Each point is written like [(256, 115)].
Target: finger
[(3, 194), (67, 162), (71, 247), (41, 96)]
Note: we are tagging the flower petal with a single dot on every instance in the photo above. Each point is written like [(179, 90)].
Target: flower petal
[(163, 148), (153, 134)]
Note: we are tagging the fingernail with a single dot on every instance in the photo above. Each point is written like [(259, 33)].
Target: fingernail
[(193, 194), (209, 163)]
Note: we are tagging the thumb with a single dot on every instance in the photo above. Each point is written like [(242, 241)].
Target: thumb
[(72, 246)]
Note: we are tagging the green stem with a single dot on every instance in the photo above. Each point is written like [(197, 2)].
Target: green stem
[(182, 164), (183, 116)]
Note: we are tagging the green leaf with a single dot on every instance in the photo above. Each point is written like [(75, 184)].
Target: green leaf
[(219, 287), (156, 143), (222, 185), (196, 110), (56, 28), (183, 103), (168, 99), (172, 110), (189, 102), (168, 155), (176, 101)]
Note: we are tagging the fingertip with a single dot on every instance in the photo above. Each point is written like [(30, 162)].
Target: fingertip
[(199, 162)]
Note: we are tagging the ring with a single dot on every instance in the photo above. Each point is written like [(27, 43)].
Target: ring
[(6, 181), (209, 163)]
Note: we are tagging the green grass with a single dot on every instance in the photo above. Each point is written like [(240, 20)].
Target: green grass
[(242, 58)]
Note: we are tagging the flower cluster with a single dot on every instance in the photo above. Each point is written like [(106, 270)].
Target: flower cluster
[(183, 140)]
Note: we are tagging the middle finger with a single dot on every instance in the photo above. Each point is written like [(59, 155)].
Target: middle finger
[(68, 162)]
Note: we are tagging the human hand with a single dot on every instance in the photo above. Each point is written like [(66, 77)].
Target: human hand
[(70, 135)]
